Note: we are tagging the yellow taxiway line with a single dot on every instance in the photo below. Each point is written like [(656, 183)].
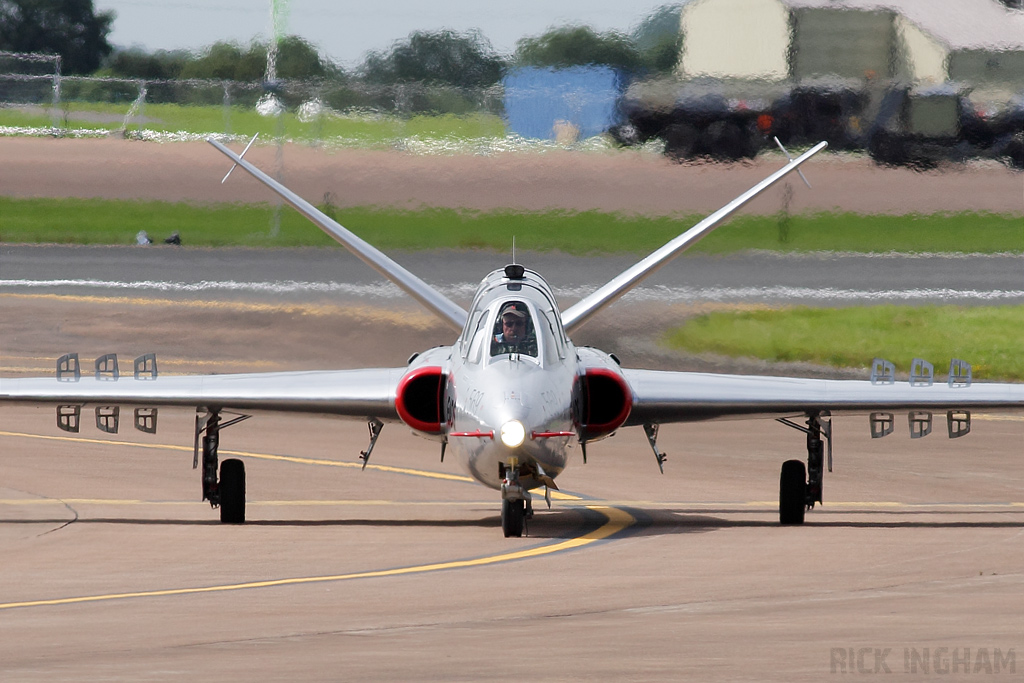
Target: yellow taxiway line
[(617, 521), (259, 456), (556, 495)]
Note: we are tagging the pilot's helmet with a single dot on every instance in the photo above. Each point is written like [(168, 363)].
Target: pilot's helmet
[(514, 309)]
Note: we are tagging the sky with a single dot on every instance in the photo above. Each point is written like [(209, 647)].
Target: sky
[(345, 30)]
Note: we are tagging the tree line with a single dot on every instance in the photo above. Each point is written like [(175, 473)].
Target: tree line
[(78, 33)]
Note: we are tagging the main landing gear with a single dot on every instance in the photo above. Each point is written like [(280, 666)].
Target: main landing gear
[(801, 487), (227, 492)]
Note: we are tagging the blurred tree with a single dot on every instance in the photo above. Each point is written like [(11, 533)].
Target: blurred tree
[(446, 57), (228, 61), (577, 46), (296, 58), (70, 28), (137, 63), (659, 39)]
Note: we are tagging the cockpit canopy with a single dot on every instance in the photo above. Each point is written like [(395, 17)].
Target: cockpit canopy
[(514, 330), (530, 306)]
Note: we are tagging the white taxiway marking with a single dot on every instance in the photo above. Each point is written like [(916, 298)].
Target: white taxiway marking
[(661, 293)]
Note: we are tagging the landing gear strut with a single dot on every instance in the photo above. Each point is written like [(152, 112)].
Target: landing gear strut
[(799, 487), (227, 492)]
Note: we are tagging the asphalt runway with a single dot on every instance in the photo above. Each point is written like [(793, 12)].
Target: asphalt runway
[(136, 300), (334, 274), (114, 570)]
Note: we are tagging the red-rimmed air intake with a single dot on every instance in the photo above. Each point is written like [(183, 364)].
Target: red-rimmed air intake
[(419, 399), (604, 402)]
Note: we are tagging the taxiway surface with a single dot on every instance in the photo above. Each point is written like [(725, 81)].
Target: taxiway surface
[(111, 569), (114, 570)]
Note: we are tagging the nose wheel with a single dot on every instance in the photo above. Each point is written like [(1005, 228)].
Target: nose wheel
[(514, 506), (513, 514)]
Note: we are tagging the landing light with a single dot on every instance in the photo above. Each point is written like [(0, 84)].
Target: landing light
[(513, 433)]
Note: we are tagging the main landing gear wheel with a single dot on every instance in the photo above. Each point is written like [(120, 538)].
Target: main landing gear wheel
[(512, 514), (232, 491), (792, 492)]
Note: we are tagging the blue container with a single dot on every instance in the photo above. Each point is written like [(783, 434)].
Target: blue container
[(539, 101)]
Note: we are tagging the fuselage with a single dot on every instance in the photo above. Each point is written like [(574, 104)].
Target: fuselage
[(511, 404)]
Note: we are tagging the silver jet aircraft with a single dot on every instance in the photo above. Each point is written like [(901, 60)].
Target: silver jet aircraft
[(512, 397)]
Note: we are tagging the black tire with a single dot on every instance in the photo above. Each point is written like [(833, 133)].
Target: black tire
[(888, 149), (680, 139), (1011, 150), (512, 513), (730, 142), (232, 492), (792, 492)]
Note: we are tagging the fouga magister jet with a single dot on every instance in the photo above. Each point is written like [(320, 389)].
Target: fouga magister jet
[(512, 396)]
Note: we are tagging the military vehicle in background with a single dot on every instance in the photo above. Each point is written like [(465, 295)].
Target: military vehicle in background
[(897, 124), (922, 127), (698, 118), (830, 109), (854, 73), (733, 120), (1008, 133)]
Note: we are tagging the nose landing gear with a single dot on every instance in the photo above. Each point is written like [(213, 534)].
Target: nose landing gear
[(513, 516), (514, 500)]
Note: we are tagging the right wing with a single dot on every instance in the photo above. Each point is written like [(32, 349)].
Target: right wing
[(362, 393), (580, 312), (664, 396)]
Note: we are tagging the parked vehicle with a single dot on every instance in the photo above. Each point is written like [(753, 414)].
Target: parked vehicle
[(896, 123)]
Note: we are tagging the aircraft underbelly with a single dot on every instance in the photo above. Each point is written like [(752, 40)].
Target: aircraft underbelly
[(539, 400), (483, 464)]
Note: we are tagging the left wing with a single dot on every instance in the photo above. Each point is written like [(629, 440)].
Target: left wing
[(354, 393), (662, 396)]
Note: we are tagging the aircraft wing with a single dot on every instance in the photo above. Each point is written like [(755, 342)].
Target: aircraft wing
[(361, 393), (437, 303), (662, 396), (580, 312)]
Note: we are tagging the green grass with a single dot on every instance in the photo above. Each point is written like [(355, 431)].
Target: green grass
[(988, 337), (872, 233), (93, 221), (171, 118)]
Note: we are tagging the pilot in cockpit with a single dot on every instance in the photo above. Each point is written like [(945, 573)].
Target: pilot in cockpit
[(514, 331)]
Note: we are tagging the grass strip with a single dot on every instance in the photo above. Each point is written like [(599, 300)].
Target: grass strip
[(99, 221), (171, 118), (988, 337)]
